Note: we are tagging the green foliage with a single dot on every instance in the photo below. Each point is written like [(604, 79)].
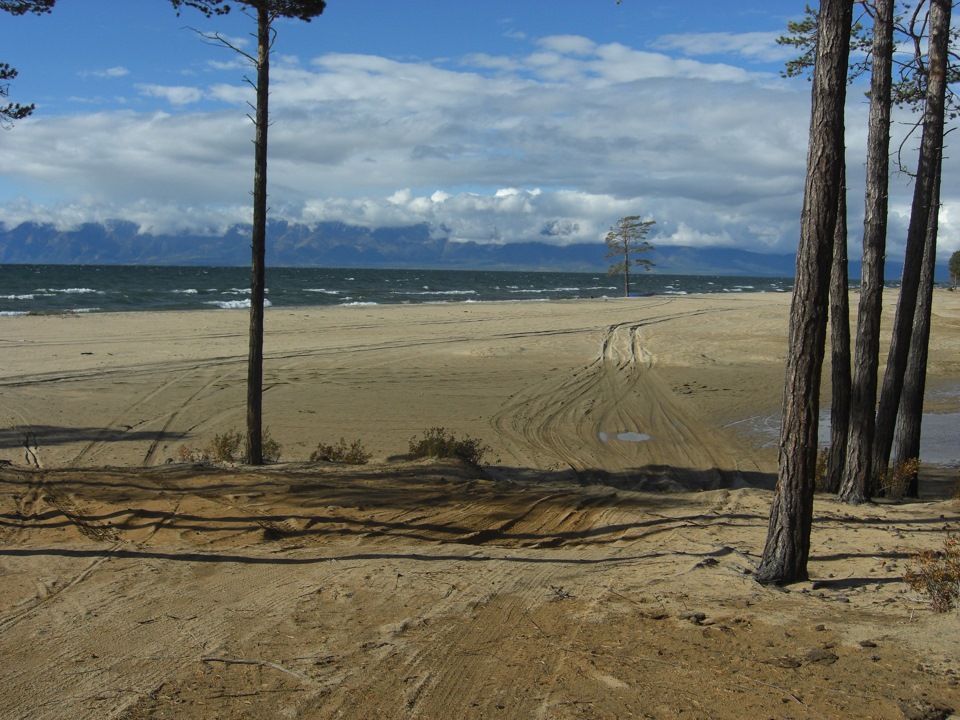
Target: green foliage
[(954, 268), (301, 9), (16, 111), (937, 574), (802, 35), (626, 238), (353, 454), (911, 31), (21, 7), (438, 443)]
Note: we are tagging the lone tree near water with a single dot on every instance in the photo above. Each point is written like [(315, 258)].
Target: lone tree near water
[(265, 13), (626, 238), (954, 268)]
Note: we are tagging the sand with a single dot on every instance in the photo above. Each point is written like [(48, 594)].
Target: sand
[(600, 566)]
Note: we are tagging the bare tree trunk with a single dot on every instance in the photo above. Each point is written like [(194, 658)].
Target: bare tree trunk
[(258, 244), (856, 480), (839, 345), (907, 439), (787, 546), (927, 168)]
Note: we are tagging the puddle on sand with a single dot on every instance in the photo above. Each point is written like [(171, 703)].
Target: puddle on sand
[(624, 436), (938, 436)]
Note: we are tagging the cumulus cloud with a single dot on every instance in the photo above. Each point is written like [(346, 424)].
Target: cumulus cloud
[(753, 46), (177, 95), (553, 143)]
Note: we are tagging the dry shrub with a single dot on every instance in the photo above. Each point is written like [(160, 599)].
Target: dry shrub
[(353, 454), (270, 448), (821, 480), (438, 443), (230, 447), (185, 453), (937, 574), (225, 447), (895, 482)]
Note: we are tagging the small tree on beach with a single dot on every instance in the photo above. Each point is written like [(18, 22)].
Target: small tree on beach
[(626, 238), (954, 268)]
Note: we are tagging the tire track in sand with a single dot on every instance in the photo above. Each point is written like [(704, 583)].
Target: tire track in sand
[(115, 429), (616, 420)]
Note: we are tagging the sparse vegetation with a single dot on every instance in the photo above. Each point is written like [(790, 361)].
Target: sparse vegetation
[(270, 448), (227, 448), (437, 442), (937, 574), (895, 482), (820, 476), (353, 454)]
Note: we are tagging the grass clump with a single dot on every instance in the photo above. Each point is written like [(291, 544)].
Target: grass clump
[(353, 454), (437, 442), (937, 574)]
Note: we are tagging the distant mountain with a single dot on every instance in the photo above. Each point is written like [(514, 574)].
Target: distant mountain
[(347, 246)]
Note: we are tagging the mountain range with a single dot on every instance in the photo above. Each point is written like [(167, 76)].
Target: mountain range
[(337, 245)]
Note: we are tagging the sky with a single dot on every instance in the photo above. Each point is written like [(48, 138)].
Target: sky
[(495, 121)]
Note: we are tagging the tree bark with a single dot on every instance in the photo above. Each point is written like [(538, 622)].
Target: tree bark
[(839, 345), (626, 270), (907, 439), (258, 244), (927, 168), (787, 546), (855, 485)]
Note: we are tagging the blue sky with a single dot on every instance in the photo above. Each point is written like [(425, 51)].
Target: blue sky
[(492, 121)]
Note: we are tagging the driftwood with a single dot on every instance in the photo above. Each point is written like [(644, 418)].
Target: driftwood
[(262, 663)]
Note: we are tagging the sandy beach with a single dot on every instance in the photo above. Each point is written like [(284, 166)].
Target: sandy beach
[(600, 566)]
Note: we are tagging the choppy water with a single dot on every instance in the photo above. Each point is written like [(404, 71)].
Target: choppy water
[(116, 288)]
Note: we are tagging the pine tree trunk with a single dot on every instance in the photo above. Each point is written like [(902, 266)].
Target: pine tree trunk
[(839, 346), (258, 245), (787, 546), (927, 168), (856, 481), (907, 439)]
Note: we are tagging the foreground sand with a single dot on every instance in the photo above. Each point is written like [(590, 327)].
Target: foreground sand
[(565, 581)]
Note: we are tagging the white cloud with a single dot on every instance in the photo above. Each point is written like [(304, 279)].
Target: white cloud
[(753, 46), (177, 95), (554, 145), (114, 72)]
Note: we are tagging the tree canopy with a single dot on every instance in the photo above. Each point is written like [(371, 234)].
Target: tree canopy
[(954, 268), (16, 111), (304, 10), (626, 238)]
